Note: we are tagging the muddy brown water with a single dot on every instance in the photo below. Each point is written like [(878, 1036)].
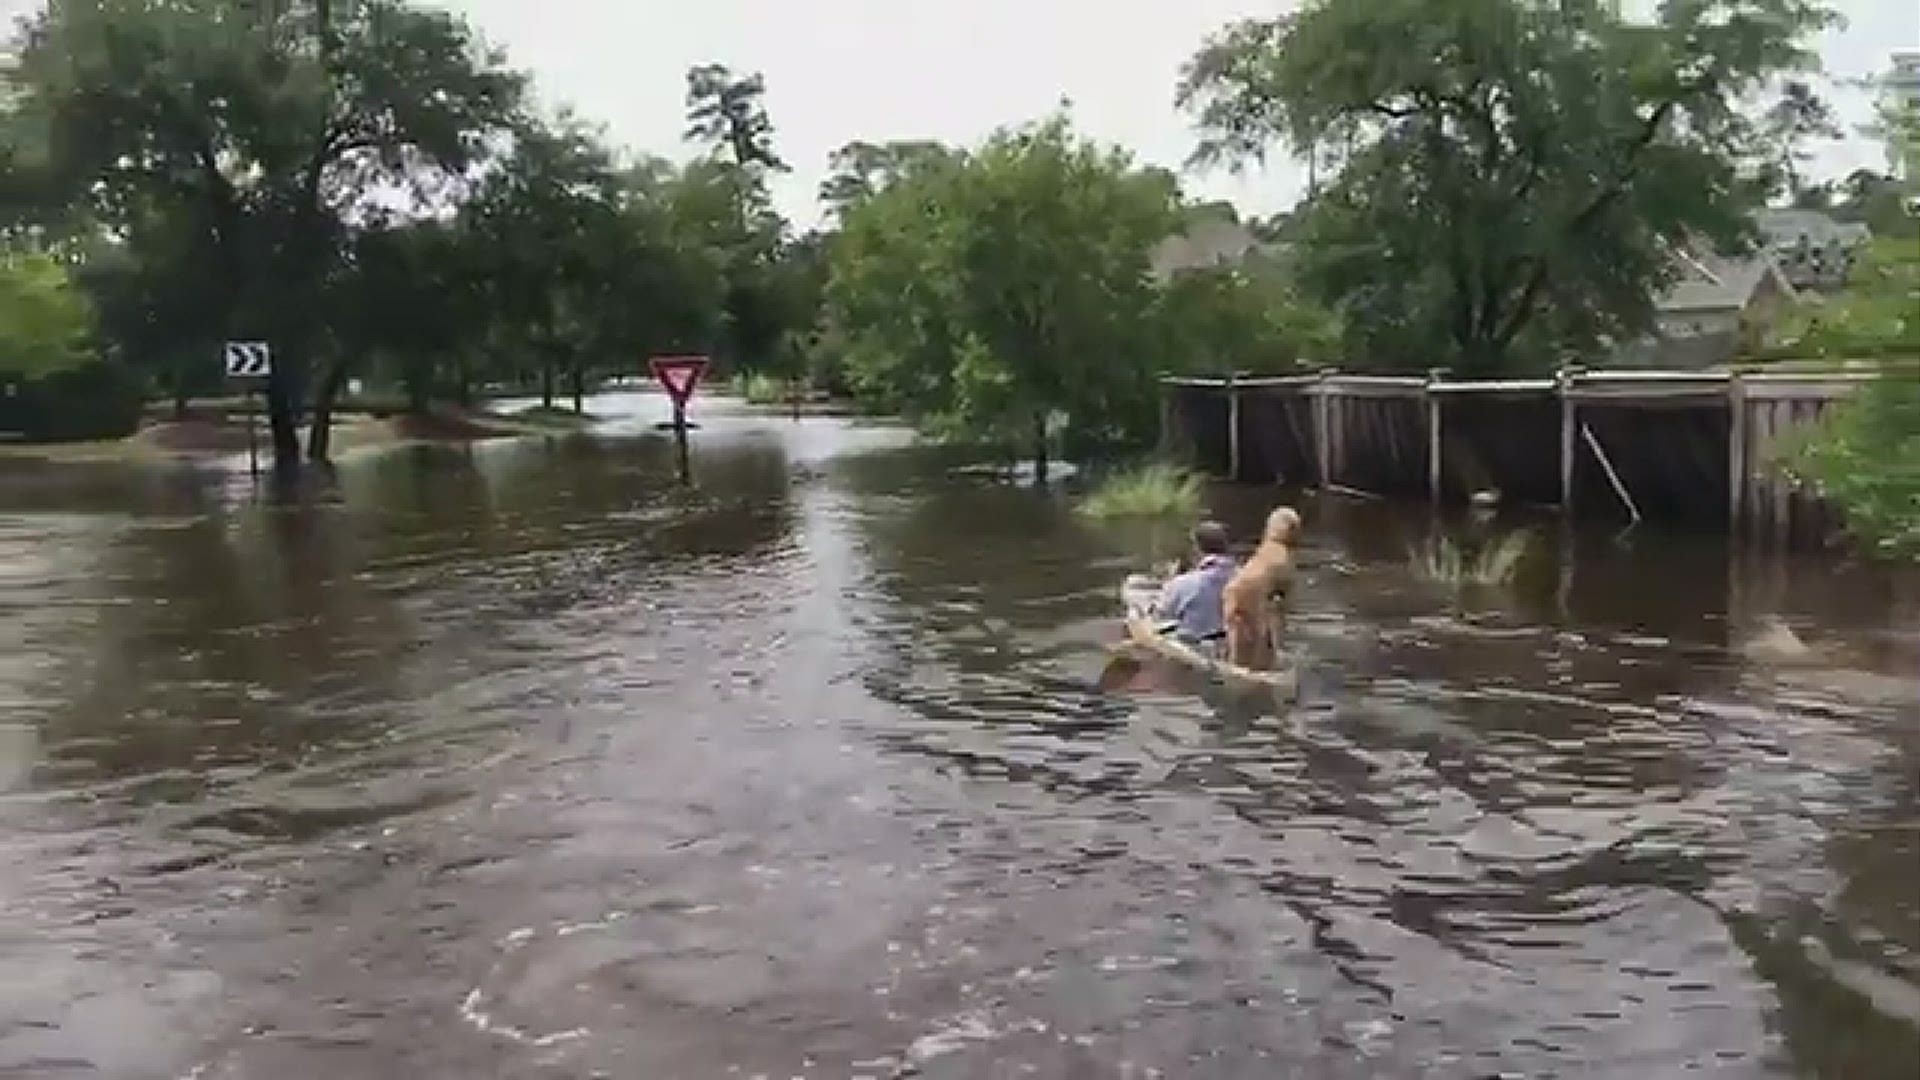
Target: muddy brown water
[(518, 761)]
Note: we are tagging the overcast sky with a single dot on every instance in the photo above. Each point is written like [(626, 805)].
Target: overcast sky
[(952, 70)]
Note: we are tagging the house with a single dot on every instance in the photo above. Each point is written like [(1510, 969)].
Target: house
[(1207, 243), (1719, 306), (1813, 250)]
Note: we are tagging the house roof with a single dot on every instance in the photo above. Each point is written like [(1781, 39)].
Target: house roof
[(1203, 244), (1720, 282), (1786, 227)]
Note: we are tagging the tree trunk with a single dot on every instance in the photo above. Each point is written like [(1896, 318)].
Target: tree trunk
[(579, 390), (416, 384), (1039, 447), (546, 382), (180, 383), (320, 437), (283, 406), (463, 383)]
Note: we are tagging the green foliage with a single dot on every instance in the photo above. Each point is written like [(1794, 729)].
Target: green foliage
[(1248, 321), (1876, 201), (1445, 560), (1004, 294), (46, 324), (251, 137), (1509, 174), (759, 388), (1864, 455), (96, 399), (216, 169), (1877, 315), (860, 170), (728, 112), (1155, 490)]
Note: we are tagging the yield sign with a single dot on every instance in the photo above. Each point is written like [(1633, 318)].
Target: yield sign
[(679, 375)]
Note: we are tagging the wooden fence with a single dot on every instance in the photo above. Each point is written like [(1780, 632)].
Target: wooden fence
[(1693, 448)]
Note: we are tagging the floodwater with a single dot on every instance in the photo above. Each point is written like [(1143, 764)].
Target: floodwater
[(519, 761)]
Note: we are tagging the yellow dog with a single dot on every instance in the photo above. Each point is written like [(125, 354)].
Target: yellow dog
[(1263, 578)]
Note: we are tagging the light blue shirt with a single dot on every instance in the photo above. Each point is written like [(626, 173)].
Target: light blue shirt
[(1192, 601)]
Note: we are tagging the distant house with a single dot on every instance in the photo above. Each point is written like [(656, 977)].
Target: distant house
[(1205, 244), (1719, 306), (1813, 250)]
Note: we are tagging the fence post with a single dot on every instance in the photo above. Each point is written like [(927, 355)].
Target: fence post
[(1323, 426), (1433, 435), (1233, 428), (1166, 419), (1736, 453), (1563, 380)]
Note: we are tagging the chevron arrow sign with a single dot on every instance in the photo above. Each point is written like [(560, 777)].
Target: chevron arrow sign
[(248, 359)]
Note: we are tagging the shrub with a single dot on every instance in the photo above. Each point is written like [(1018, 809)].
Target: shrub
[(1864, 456), (759, 388), (99, 400)]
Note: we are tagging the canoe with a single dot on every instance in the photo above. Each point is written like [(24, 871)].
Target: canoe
[(1146, 637)]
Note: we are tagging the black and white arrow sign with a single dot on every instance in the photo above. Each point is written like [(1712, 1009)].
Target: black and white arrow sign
[(248, 359)]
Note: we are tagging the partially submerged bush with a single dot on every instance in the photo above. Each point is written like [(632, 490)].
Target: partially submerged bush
[(759, 388), (1446, 560), (1156, 490)]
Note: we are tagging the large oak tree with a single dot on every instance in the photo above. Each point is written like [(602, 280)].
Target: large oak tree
[(1511, 175)]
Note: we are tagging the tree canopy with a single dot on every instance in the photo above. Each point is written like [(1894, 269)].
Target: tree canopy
[(1511, 175), (364, 185), (45, 321), (272, 128), (999, 291)]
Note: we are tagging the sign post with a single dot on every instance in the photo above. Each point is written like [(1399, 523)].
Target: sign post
[(679, 376), (250, 363)]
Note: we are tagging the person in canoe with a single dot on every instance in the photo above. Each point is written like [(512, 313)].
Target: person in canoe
[(1191, 605), (1204, 615), (1187, 609)]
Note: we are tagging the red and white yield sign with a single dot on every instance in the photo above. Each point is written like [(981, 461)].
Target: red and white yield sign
[(679, 375)]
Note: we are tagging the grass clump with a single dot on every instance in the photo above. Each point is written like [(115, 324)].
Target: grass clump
[(1156, 490), (1447, 561)]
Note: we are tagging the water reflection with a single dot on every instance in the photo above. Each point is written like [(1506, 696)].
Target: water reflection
[(523, 758)]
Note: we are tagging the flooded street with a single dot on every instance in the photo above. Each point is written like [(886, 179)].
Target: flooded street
[(517, 760)]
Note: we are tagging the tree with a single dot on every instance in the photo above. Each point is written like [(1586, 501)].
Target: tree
[(1241, 320), (276, 125), (991, 292), (1878, 314), (860, 170), (1797, 116), (727, 193), (1510, 175), (46, 324), (1878, 201), (533, 215), (728, 113)]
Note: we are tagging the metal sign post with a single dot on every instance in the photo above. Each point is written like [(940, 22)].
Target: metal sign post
[(680, 376), (250, 362)]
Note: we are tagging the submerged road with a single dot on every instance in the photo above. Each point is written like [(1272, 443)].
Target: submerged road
[(517, 760)]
